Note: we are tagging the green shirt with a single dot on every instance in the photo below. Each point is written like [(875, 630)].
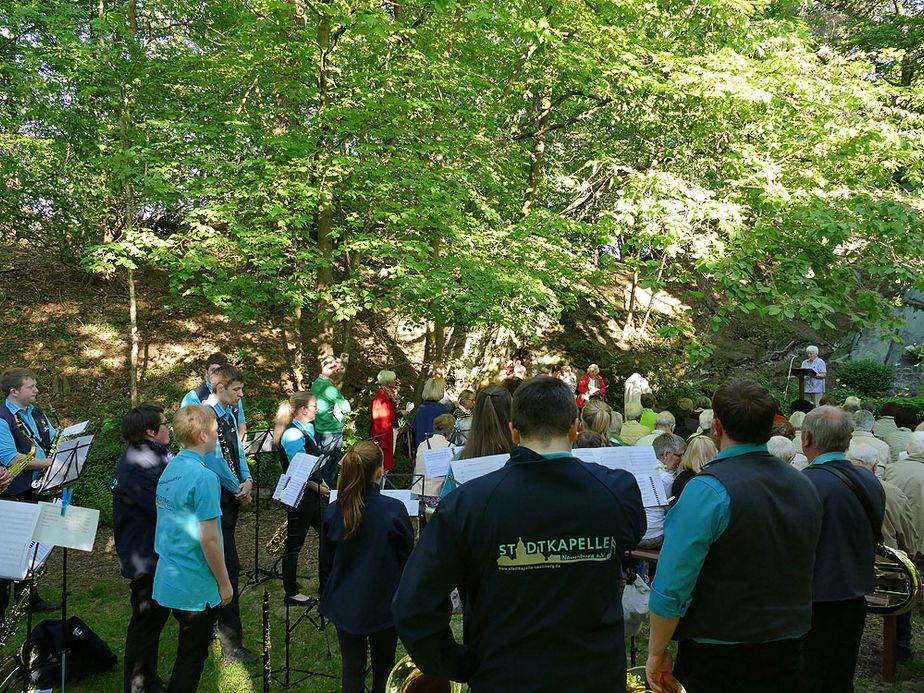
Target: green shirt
[(328, 397)]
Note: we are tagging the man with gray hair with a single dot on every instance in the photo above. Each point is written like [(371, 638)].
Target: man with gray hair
[(814, 384), (664, 423), (705, 424), (863, 435), (668, 449), (854, 505), (632, 430), (908, 475), (898, 531)]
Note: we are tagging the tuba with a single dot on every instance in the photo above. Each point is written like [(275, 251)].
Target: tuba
[(407, 678), (898, 585)]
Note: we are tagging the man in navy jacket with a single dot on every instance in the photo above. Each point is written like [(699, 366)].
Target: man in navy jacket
[(134, 515), (535, 551)]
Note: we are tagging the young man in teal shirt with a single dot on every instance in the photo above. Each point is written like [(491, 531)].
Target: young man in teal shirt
[(201, 393), (190, 578), (230, 465)]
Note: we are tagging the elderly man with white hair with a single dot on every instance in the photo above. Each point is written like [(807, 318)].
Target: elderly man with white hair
[(782, 448), (908, 475), (663, 424), (814, 384), (898, 531), (863, 435)]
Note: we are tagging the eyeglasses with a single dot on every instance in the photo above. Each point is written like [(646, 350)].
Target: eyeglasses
[(164, 423)]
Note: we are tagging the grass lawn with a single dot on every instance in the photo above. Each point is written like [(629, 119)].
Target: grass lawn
[(100, 596)]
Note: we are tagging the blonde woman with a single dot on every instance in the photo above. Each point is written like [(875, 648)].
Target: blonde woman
[(700, 449)]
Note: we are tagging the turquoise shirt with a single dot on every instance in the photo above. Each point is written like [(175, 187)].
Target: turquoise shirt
[(691, 527), (7, 443), (192, 398), (187, 494), (293, 439), (827, 457), (215, 461)]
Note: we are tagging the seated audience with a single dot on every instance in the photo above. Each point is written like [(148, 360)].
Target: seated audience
[(700, 450), (862, 434), (632, 430), (783, 448), (597, 416), (664, 423), (886, 421), (908, 475), (905, 420), (668, 449), (590, 439), (649, 416)]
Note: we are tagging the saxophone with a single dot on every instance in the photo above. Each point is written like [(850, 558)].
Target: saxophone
[(17, 468), (277, 542)]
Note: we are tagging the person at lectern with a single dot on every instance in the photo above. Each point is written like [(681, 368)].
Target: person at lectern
[(535, 550), (814, 384)]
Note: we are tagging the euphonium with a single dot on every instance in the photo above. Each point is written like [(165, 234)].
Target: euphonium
[(407, 678), (897, 580), (277, 542)]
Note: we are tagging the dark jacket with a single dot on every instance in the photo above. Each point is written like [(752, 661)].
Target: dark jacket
[(359, 575), (535, 549), (134, 512), (423, 420), (847, 546)]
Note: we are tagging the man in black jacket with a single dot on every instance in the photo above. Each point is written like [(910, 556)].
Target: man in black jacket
[(134, 515), (854, 503), (535, 550)]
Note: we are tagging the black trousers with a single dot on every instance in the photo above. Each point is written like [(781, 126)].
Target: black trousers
[(353, 650), (230, 630), (831, 647), (307, 514), (771, 667), (192, 648), (143, 637)]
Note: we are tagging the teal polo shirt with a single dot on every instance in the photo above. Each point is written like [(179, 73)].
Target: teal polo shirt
[(187, 494)]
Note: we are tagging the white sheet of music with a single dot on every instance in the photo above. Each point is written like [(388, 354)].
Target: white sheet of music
[(300, 468), (411, 504), (75, 529), (640, 461), (436, 460), (466, 470), (65, 456), (76, 429), (19, 521)]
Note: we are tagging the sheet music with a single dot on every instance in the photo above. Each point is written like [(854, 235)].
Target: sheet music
[(280, 486), (640, 461), (40, 556), (76, 529), (76, 429), (466, 470), (260, 441), (411, 504), (300, 470), (436, 460), (18, 521)]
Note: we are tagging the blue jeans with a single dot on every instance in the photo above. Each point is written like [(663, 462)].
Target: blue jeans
[(331, 445)]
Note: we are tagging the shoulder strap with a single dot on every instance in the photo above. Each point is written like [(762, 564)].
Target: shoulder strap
[(861, 496)]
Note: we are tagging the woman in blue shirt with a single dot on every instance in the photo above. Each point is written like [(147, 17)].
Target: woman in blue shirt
[(365, 543), (294, 433)]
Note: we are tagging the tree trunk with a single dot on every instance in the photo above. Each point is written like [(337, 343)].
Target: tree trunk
[(536, 157), (133, 321), (654, 292), (630, 316), (325, 219)]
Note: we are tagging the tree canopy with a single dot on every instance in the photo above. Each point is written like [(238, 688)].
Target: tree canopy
[(471, 163)]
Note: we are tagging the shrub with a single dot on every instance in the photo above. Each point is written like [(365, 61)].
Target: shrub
[(866, 377)]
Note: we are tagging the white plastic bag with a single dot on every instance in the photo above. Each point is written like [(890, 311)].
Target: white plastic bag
[(635, 605)]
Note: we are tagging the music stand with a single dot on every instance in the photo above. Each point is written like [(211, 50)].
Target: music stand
[(68, 470), (259, 447), (801, 374), (286, 681)]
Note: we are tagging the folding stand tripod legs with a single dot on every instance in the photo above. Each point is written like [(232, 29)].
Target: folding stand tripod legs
[(288, 681)]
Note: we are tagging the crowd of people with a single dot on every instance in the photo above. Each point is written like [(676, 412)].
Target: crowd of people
[(766, 543)]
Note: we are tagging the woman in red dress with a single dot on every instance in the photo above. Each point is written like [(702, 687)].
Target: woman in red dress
[(385, 416), (590, 385)]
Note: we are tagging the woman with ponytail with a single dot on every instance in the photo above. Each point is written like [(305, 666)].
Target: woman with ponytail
[(365, 543), (294, 433), (490, 432)]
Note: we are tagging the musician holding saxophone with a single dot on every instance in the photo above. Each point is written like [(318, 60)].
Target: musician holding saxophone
[(26, 437), (230, 464)]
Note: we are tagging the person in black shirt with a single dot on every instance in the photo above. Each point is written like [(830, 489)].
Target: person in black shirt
[(134, 515), (535, 550)]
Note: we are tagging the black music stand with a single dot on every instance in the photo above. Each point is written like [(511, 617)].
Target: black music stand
[(260, 447), (68, 471), (288, 670)]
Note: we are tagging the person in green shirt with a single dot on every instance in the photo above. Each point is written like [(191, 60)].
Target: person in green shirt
[(332, 408)]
